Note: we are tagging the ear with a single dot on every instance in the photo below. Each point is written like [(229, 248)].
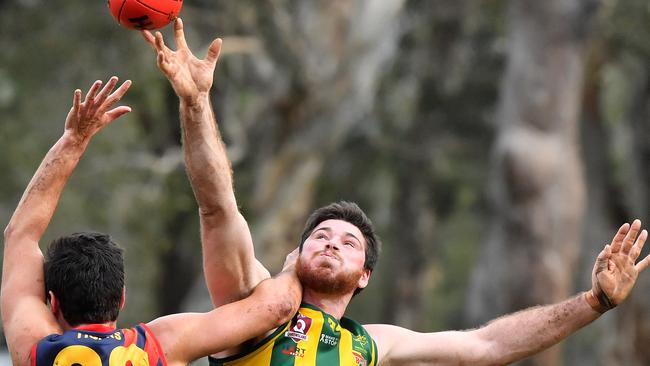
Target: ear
[(365, 277), (123, 300), (54, 304)]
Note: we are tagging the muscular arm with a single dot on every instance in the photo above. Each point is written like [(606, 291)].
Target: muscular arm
[(25, 315), (519, 335), (230, 266), (500, 342), (186, 337), (23, 283), (229, 263)]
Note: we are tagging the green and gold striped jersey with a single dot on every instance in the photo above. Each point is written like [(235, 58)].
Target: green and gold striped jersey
[(311, 338)]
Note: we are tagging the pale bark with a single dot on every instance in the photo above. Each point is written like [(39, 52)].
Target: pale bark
[(336, 51), (537, 184)]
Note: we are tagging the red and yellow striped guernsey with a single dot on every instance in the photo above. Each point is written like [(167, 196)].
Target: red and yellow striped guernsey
[(311, 338), (98, 345)]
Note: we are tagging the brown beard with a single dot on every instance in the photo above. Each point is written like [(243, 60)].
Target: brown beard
[(323, 280)]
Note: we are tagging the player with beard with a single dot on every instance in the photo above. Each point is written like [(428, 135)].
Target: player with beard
[(338, 251)]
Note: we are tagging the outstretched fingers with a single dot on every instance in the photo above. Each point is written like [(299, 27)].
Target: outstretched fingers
[(105, 92), (163, 51), (117, 112), (119, 93), (631, 235), (640, 242), (149, 38), (617, 241), (638, 245), (90, 96), (213, 51), (179, 34), (114, 98), (160, 42), (76, 102)]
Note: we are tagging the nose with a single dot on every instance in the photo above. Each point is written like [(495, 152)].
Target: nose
[(332, 245)]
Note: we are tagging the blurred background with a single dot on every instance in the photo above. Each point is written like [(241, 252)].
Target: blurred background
[(497, 146)]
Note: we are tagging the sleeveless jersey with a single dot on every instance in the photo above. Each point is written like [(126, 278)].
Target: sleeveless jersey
[(311, 338), (98, 345)]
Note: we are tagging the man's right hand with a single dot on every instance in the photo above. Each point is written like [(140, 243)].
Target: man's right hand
[(190, 77), (230, 267)]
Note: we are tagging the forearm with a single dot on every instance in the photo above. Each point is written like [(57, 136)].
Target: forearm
[(229, 260), (207, 163), (516, 336), (22, 269), (37, 205), (282, 293)]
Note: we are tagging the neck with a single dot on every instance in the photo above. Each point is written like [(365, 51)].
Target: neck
[(109, 325), (334, 305)]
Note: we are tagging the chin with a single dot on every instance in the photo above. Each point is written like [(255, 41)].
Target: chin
[(324, 279)]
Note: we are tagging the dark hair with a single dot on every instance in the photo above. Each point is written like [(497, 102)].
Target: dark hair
[(352, 213), (86, 273)]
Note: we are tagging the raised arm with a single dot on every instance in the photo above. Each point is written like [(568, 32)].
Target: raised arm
[(186, 337), (25, 315), (519, 335), (229, 262)]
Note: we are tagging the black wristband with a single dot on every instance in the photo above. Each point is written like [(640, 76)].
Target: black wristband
[(604, 300)]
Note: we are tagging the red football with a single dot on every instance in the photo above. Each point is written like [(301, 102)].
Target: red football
[(145, 14)]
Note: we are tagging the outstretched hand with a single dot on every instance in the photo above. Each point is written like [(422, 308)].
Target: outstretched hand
[(86, 118), (616, 268), (190, 77)]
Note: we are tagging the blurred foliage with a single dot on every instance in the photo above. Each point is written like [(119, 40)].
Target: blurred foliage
[(416, 157)]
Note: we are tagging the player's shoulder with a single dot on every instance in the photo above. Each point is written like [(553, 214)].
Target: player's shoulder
[(97, 344)]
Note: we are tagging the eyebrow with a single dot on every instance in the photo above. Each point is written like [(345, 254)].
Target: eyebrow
[(329, 231)]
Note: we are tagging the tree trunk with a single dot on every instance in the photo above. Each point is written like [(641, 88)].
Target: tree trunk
[(537, 184), (330, 55), (625, 115)]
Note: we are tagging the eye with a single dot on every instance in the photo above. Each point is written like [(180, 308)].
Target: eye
[(349, 243), (320, 236)]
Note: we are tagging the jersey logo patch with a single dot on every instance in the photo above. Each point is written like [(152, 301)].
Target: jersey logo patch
[(359, 359), (294, 351), (359, 343), (299, 330), (329, 340)]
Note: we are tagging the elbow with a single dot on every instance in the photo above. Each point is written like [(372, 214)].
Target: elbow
[(283, 312), (492, 356), (281, 306), (18, 233), (284, 308), (486, 352), (10, 232), (495, 355)]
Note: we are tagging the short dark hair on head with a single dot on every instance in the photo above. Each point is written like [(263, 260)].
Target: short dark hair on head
[(352, 213), (86, 273)]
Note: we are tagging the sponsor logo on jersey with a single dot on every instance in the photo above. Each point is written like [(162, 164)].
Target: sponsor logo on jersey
[(294, 351), (360, 343), (329, 340), (359, 359), (300, 328), (361, 339)]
